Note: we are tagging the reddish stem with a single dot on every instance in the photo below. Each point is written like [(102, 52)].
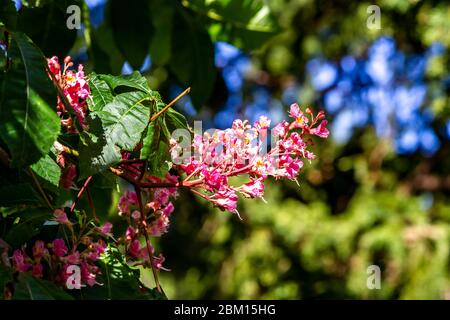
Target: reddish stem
[(80, 193)]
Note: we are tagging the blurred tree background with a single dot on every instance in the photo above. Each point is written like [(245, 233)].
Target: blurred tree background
[(378, 193)]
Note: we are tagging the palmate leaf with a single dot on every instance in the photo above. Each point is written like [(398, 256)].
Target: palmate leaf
[(125, 118), (117, 125), (120, 107), (29, 125)]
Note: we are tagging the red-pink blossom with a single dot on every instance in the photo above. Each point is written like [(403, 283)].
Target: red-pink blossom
[(135, 248), (59, 247), (39, 249), (19, 261), (60, 216), (37, 270)]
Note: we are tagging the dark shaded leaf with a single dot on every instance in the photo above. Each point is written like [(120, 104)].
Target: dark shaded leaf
[(46, 25), (31, 288), (192, 59), (29, 124), (132, 28), (162, 17), (8, 14), (97, 152), (22, 193)]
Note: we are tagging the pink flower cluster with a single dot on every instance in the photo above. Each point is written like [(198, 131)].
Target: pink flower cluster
[(75, 88), (53, 259), (241, 150), (155, 220)]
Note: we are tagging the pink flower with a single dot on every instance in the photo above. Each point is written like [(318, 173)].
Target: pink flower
[(321, 130), (61, 217), (158, 262), (136, 215), (39, 249), (241, 151), (215, 179), (59, 248), (135, 248), (130, 233), (123, 205), (262, 123), (127, 200), (253, 189), (73, 258), (88, 273), (106, 228), (162, 195), (37, 270), (159, 226), (226, 200), (167, 211), (281, 128), (144, 253), (19, 261), (300, 118)]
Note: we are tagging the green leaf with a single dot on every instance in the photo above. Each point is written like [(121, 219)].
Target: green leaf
[(97, 151), (132, 27), (107, 57), (31, 288), (192, 59), (29, 224), (134, 80), (125, 118), (5, 277), (8, 14), (29, 125), (245, 23), (15, 194), (159, 160), (175, 120), (120, 281), (162, 18), (115, 122), (100, 92), (47, 169), (46, 25), (151, 139)]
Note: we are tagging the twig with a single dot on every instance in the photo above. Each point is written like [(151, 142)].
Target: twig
[(147, 240), (41, 191), (181, 95), (80, 193)]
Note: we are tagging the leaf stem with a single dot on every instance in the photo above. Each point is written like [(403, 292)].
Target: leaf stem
[(181, 95)]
